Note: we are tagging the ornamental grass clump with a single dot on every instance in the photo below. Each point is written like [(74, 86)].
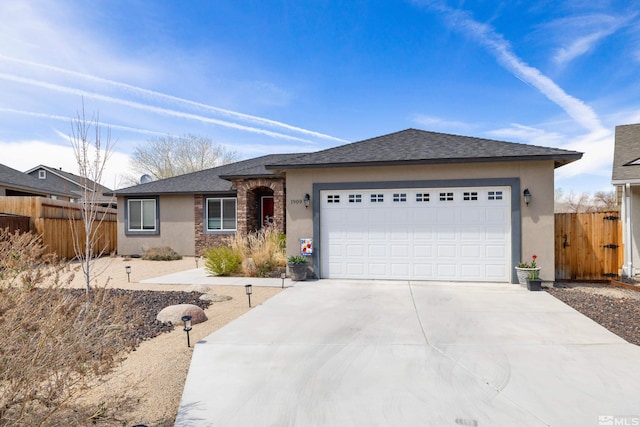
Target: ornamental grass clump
[(222, 260)]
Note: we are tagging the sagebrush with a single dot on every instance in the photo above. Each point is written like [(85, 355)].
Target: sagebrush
[(164, 253)]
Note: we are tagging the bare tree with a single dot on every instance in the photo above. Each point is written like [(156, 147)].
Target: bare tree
[(167, 156), (601, 201), (92, 152)]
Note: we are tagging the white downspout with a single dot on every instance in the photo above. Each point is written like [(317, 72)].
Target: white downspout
[(628, 231)]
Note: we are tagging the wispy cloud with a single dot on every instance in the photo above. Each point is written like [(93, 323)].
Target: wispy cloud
[(579, 35), (433, 122)]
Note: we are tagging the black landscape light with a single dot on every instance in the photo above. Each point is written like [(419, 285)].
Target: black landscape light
[(307, 200), (127, 268), (282, 276), (249, 290), (527, 196), (187, 327)]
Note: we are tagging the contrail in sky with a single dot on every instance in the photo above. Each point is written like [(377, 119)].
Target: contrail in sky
[(140, 106), (500, 48), (69, 119), (175, 99)]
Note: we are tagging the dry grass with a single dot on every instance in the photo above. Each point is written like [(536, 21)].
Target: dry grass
[(52, 341), (264, 252)]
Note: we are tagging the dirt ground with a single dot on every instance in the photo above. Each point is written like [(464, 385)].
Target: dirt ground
[(147, 385)]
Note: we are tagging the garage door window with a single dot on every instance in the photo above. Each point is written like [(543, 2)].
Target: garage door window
[(470, 195), (377, 198), (446, 197), (422, 197), (495, 195), (355, 198), (399, 197)]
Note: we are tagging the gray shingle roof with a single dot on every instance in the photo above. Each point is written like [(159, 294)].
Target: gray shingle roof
[(209, 180), (17, 180), (627, 149), (413, 146)]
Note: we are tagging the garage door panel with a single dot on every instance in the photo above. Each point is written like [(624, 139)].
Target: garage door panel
[(400, 251), (379, 251), (423, 234), (471, 251)]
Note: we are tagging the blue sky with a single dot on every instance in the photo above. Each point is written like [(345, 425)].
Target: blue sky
[(266, 77)]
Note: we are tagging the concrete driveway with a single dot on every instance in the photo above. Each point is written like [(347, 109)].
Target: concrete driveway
[(336, 353)]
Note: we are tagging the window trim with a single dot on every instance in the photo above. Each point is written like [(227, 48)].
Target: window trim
[(205, 214), (128, 231)]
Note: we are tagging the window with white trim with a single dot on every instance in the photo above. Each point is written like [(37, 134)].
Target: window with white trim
[(42, 174), (399, 197), (355, 198), (422, 197), (142, 214), (221, 214), (377, 198), (494, 195), (446, 197), (470, 195)]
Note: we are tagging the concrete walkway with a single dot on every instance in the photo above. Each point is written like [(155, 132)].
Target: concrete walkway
[(198, 276), (335, 353)]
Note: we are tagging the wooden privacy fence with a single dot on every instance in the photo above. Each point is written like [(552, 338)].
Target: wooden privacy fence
[(52, 219), (14, 223), (588, 246)]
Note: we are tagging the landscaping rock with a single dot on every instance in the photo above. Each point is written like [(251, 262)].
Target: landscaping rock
[(214, 298), (173, 314)]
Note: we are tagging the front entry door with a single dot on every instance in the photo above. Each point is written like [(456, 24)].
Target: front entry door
[(266, 211)]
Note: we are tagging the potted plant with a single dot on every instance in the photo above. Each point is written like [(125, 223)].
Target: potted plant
[(534, 283), (526, 269), (297, 267)]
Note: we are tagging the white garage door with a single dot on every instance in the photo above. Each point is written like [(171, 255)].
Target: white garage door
[(458, 234)]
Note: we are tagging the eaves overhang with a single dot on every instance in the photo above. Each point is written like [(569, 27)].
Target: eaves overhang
[(559, 161)]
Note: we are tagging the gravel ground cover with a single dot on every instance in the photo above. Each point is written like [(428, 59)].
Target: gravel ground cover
[(616, 309)]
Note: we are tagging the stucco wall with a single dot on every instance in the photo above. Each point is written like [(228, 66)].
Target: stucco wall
[(176, 228), (537, 219)]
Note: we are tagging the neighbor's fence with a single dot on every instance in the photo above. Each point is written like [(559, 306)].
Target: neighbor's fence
[(588, 246), (14, 223), (52, 219)]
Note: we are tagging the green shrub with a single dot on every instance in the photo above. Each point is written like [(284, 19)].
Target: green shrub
[(222, 260), (297, 259), (164, 253)]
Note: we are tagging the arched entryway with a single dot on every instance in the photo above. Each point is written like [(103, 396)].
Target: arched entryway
[(262, 213)]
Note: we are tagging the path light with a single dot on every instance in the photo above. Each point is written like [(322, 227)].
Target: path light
[(127, 268), (282, 276), (187, 327), (249, 290), (307, 200), (527, 196), (196, 262)]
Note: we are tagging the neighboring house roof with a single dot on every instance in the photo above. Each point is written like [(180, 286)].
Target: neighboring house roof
[(214, 180), (413, 146), (626, 153), (16, 180), (76, 180)]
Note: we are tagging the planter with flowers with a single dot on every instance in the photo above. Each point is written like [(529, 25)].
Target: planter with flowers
[(529, 271)]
